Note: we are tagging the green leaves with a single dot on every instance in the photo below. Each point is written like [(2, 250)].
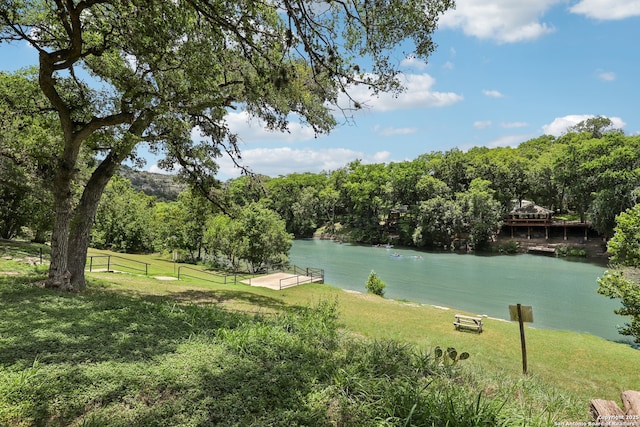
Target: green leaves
[(374, 285), (256, 236), (622, 280)]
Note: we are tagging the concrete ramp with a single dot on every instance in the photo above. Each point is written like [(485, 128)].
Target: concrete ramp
[(279, 281)]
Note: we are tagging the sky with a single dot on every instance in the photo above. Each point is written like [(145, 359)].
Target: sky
[(504, 72)]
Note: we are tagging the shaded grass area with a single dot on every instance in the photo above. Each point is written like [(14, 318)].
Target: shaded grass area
[(107, 358)]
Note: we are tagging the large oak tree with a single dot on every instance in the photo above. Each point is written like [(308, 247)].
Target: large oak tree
[(150, 71)]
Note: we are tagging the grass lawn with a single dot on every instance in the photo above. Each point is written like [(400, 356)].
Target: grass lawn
[(133, 348)]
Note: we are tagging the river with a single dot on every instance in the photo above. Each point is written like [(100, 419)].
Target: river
[(562, 293)]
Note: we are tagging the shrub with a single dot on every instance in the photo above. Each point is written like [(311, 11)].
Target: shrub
[(375, 285), (510, 247), (570, 251)]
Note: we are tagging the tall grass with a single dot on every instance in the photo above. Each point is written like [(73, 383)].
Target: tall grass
[(105, 358)]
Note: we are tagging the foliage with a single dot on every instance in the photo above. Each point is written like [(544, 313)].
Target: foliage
[(481, 213), (256, 236), (572, 251), (374, 284), (408, 202), (509, 247), (296, 198), (622, 280), (27, 142), (223, 241), (123, 220)]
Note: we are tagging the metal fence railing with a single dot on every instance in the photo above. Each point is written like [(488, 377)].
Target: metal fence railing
[(210, 276), (297, 276), (111, 262)]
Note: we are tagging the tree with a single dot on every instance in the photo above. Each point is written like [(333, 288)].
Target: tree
[(295, 198), (223, 241), (123, 219), (28, 133), (153, 71), (368, 200), (438, 221), (596, 127), (266, 241), (375, 285), (255, 235), (481, 212), (622, 279), (181, 225)]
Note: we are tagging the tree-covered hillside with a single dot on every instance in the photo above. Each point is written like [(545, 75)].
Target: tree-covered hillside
[(163, 187)]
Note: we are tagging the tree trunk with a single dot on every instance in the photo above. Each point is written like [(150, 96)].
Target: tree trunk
[(83, 218), (58, 269)]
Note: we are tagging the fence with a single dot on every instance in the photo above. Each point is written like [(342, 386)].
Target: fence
[(209, 276), (301, 276), (117, 261), (298, 275)]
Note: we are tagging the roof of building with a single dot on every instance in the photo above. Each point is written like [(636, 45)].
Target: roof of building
[(528, 207)]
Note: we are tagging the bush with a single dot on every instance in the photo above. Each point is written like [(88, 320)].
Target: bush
[(375, 285), (570, 251), (509, 247)]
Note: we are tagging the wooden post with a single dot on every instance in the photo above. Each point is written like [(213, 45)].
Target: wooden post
[(522, 340)]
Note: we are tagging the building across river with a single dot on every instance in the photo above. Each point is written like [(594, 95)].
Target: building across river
[(529, 220)]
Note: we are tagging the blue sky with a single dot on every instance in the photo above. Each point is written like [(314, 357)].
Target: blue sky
[(505, 71)]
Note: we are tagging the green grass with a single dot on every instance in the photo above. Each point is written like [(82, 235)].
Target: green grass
[(134, 350)]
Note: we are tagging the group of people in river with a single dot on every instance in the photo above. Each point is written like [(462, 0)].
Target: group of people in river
[(395, 254)]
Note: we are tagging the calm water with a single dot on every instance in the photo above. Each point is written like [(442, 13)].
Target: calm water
[(562, 293)]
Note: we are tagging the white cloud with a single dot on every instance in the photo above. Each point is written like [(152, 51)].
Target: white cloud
[(448, 65), (285, 160), (482, 124), (492, 93), (505, 21), (514, 125), (508, 141), (251, 129), (560, 125), (607, 76), (607, 9), (419, 93), (413, 62), (394, 131)]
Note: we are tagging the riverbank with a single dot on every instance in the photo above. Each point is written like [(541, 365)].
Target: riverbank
[(593, 249)]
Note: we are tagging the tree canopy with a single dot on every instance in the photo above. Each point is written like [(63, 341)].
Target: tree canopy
[(118, 73), (622, 280)]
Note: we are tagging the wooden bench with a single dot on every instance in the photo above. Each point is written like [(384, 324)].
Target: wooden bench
[(468, 322)]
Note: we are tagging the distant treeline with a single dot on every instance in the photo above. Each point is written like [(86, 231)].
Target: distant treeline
[(435, 200)]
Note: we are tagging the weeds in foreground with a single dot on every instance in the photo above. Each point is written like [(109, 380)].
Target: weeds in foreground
[(106, 359)]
